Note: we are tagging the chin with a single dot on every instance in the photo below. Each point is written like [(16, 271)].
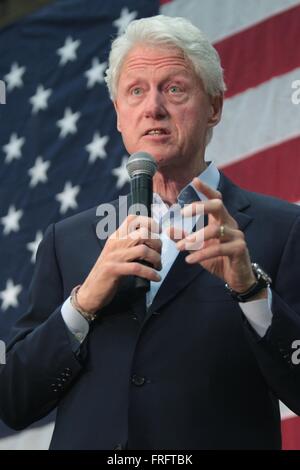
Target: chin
[(164, 163), (161, 155)]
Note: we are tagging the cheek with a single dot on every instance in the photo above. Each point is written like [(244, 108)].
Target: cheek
[(127, 117), (193, 129), (189, 121), (125, 124)]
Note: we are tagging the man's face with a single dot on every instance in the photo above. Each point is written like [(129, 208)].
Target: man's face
[(162, 107)]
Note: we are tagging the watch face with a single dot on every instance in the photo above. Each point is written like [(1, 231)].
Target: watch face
[(260, 274)]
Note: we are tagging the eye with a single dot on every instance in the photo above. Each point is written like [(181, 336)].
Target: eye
[(174, 89), (137, 91)]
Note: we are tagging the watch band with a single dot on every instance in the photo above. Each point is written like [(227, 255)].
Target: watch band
[(74, 302), (263, 281)]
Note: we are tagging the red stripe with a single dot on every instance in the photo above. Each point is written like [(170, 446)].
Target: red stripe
[(263, 51), (162, 2), (274, 171), (291, 433)]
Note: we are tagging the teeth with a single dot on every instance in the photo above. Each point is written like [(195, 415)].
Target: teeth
[(155, 132)]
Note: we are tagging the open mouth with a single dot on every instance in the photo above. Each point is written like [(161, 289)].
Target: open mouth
[(157, 131)]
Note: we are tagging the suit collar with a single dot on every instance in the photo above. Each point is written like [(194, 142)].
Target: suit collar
[(235, 201)]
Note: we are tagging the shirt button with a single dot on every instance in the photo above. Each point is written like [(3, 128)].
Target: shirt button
[(137, 380), (79, 336), (67, 373)]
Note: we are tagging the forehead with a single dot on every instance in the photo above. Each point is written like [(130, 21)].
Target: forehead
[(145, 57)]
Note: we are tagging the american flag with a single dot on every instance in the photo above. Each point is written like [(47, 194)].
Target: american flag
[(60, 152)]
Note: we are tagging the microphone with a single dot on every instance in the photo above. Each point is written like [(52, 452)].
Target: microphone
[(141, 167)]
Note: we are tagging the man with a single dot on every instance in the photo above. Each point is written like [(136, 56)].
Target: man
[(204, 365)]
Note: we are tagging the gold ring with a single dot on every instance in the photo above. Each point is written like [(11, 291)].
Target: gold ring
[(222, 231)]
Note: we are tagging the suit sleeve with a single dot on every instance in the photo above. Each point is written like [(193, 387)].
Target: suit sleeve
[(40, 363), (275, 352)]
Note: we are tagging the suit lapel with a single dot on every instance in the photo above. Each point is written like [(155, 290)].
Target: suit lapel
[(235, 201), (180, 275)]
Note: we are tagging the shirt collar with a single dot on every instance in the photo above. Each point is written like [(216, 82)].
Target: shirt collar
[(210, 176)]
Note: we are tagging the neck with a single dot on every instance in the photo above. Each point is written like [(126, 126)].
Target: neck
[(168, 184)]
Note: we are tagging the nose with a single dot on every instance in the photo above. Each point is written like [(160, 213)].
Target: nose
[(154, 105)]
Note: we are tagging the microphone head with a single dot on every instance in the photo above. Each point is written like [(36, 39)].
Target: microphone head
[(141, 163)]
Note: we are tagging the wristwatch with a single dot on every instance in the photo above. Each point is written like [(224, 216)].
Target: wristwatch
[(263, 281), (74, 302)]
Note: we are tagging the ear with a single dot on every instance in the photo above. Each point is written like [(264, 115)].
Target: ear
[(216, 103), (118, 119)]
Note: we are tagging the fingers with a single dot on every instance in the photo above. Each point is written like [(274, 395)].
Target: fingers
[(138, 230), (230, 249), (142, 236), (212, 207), (209, 192), (138, 252), (195, 240), (133, 269), (134, 222)]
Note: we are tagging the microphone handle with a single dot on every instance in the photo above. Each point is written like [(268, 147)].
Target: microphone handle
[(141, 194)]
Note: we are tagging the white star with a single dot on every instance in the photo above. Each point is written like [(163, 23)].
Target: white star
[(39, 100), (68, 123), (14, 77), (125, 18), (11, 220), (38, 172), (121, 173), (67, 197), (33, 246), (96, 147), (13, 148), (9, 295), (67, 52), (96, 73)]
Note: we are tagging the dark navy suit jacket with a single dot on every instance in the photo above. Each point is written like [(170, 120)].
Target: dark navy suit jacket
[(192, 374)]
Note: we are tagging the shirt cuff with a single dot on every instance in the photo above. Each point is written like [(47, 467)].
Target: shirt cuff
[(75, 322), (259, 313)]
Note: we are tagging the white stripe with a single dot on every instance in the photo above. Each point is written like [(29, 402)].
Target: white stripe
[(285, 412), (32, 439), (256, 119), (219, 18)]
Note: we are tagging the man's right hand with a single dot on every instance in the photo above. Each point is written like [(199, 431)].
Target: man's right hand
[(136, 239)]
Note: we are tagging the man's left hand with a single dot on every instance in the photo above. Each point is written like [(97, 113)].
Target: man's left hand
[(224, 251)]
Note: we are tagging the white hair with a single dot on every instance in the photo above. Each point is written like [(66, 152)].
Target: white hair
[(168, 31)]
